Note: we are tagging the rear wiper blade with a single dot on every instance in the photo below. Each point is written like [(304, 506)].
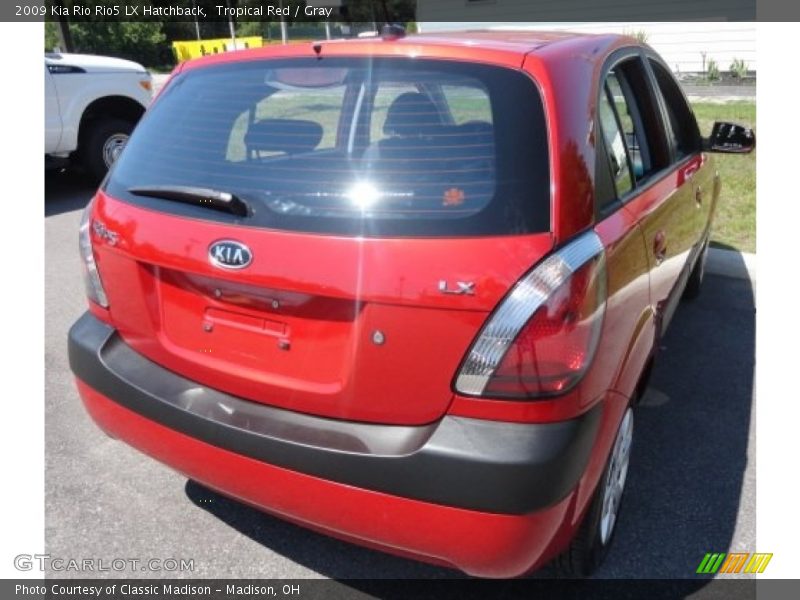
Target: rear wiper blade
[(199, 196)]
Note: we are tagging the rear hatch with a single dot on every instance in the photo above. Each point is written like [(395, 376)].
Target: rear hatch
[(382, 208)]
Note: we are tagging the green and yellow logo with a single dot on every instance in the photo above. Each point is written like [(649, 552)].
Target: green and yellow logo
[(735, 562)]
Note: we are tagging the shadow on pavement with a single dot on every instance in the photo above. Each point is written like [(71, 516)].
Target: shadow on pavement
[(686, 486)]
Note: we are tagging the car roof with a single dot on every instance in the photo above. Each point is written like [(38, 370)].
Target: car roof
[(525, 40), (502, 46)]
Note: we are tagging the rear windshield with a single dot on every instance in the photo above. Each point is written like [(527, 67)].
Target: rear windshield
[(347, 146)]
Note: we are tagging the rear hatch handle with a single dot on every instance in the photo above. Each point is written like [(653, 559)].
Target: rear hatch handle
[(199, 196)]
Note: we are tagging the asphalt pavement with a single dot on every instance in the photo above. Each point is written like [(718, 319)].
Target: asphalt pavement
[(691, 487)]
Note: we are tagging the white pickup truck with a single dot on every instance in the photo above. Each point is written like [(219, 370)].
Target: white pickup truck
[(92, 104)]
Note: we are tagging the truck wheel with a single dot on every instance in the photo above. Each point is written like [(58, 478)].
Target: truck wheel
[(590, 545), (695, 281), (102, 143)]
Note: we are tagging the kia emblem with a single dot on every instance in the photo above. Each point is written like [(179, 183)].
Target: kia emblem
[(229, 254)]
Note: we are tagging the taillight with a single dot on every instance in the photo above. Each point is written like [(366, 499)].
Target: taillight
[(542, 337), (91, 276)]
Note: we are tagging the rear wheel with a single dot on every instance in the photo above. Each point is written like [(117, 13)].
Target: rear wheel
[(591, 544), (101, 145)]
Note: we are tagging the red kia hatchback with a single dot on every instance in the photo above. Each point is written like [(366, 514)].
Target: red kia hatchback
[(403, 290)]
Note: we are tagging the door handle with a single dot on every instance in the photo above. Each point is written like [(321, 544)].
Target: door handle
[(660, 247)]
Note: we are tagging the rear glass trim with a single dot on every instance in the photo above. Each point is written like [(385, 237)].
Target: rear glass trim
[(511, 192)]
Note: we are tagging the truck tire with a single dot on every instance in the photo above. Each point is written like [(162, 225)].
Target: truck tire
[(100, 146)]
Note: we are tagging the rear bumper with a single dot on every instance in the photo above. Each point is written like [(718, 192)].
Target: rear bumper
[(487, 497)]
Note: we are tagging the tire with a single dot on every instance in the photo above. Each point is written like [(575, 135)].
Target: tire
[(695, 281), (101, 144), (589, 547)]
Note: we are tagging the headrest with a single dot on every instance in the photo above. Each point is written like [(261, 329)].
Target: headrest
[(412, 113), (291, 136)]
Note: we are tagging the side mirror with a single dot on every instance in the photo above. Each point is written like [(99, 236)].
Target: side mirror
[(730, 138)]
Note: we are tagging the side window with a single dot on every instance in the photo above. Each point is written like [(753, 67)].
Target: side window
[(634, 146), (614, 139), (624, 104), (682, 126)]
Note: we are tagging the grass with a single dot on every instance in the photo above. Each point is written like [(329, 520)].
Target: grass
[(735, 222)]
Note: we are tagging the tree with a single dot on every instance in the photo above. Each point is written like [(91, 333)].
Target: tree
[(396, 11), (142, 42), (50, 36), (251, 28)]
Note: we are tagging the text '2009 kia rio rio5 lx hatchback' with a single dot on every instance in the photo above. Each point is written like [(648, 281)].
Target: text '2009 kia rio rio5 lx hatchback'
[(405, 290)]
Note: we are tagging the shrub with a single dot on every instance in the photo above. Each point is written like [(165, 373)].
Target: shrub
[(712, 70), (143, 42), (640, 35), (738, 68)]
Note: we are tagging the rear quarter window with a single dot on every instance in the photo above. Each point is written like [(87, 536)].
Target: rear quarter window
[(370, 147)]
